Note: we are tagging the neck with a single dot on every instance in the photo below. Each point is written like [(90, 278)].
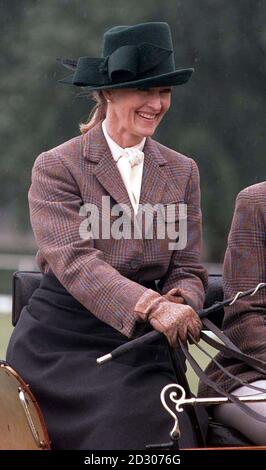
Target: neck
[(121, 136)]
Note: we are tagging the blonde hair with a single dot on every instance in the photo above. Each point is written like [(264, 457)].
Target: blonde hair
[(97, 113)]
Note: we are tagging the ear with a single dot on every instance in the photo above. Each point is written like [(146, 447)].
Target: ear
[(107, 95)]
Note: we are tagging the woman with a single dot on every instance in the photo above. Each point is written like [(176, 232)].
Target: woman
[(244, 322), (98, 289)]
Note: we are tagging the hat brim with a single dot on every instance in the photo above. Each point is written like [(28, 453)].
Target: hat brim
[(178, 77)]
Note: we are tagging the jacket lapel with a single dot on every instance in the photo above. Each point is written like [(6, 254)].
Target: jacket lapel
[(153, 184), (97, 150), (154, 177)]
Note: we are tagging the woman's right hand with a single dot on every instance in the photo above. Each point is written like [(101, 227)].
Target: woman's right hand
[(175, 321)]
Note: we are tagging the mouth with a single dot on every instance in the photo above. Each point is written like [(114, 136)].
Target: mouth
[(148, 117)]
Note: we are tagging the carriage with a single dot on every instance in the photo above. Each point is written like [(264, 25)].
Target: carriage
[(22, 425)]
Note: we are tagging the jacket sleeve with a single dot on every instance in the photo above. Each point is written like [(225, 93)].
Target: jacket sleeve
[(54, 202), (245, 258), (186, 277)]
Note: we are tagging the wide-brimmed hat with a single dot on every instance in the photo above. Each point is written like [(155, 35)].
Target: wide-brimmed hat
[(133, 56)]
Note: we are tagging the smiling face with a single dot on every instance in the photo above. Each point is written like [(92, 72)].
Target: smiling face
[(133, 114)]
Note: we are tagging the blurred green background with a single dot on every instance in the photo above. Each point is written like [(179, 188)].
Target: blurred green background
[(218, 118), (5, 332)]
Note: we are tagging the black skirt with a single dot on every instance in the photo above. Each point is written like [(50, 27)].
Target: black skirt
[(54, 347)]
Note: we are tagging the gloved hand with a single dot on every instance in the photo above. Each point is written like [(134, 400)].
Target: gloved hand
[(173, 320), (174, 296)]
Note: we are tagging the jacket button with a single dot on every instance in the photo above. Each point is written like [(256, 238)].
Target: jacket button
[(134, 264)]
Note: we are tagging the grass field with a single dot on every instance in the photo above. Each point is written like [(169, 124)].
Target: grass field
[(6, 330)]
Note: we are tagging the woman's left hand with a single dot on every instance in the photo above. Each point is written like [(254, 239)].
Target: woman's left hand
[(172, 297)]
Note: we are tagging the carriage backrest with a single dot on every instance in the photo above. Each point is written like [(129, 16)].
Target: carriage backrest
[(26, 282)]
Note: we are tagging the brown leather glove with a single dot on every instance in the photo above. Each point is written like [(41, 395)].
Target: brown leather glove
[(173, 320), (174, 296)]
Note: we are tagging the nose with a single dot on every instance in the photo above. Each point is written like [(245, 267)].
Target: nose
[(155, 101)]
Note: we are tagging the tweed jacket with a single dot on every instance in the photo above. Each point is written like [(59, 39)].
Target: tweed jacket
[(108, 276), (244, 267)]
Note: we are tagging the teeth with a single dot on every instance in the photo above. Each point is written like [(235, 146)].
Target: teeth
[(147, 116)]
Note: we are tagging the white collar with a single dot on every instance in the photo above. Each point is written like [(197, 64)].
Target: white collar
[(116, 150)]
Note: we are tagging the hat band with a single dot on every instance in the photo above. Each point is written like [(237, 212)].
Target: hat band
[(126, 63)]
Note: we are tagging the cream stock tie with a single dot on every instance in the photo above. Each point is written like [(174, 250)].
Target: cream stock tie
[(131, 164)]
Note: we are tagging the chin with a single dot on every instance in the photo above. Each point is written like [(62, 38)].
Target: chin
[(149, 133), (146, 132)]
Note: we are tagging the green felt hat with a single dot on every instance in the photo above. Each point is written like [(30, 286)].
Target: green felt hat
[(133, 56)]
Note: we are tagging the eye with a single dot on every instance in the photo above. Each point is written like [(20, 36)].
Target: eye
[(166, 90)]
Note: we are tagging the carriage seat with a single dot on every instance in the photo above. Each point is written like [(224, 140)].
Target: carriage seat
[(26, 282)]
